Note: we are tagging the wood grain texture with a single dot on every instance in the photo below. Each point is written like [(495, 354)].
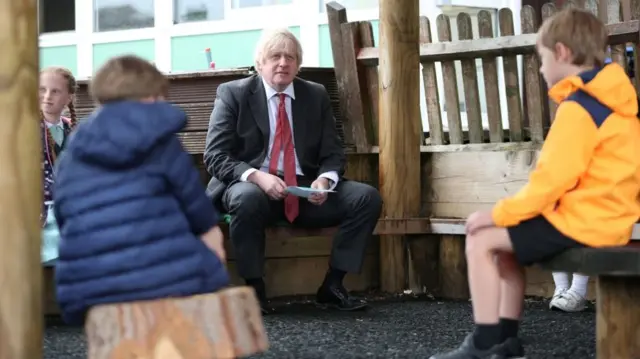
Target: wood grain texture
[(400, 130), (226, 324), (20, 183), (617, 317)]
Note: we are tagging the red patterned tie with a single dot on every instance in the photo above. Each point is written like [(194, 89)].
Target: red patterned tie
[(283, 139)]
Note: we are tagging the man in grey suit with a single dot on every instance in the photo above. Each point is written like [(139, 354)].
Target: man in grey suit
[(274, 130)]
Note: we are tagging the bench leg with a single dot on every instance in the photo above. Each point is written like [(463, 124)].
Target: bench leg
[(618, 317)]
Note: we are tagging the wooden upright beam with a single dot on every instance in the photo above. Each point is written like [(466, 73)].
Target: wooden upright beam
[(21, 318), (399, 129)]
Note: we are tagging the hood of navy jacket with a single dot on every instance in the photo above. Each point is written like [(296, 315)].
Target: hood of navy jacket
[(122, 134)]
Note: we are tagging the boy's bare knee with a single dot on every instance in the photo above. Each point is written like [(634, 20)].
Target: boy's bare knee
[(475, 245)]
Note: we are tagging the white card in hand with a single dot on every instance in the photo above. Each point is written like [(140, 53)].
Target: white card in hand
[(305, 192)]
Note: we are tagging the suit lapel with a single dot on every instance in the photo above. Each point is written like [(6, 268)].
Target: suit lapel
[(299, 110), (259, 109)]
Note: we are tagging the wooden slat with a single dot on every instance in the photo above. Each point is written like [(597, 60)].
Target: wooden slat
[(470, 83), (449, 78), (531, 64), (500, 46), (511, 80), (548, 10), (491, 84), (356, 131), (430, 83)]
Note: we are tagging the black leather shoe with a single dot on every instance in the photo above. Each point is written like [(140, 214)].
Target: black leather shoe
[(337, 297)]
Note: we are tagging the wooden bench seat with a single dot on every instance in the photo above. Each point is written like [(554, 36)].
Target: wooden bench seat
[(225, 324), (617, 295)]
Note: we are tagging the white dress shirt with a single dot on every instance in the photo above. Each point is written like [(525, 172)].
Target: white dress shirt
[(273, 101)]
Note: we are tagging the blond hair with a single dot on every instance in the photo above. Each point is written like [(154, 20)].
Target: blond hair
[(579, 30), (127, 77), (273, 39)]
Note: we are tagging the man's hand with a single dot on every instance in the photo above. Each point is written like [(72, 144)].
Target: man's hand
[(319, 198), (477, 221), (214, 239), (272, 185)]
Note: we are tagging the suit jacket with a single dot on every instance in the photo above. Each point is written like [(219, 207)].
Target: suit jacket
[(238, 135)]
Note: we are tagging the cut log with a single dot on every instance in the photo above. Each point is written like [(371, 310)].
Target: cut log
[(226, 324)]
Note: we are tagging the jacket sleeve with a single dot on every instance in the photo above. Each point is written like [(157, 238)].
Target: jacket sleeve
[(187, 187), (332, 157), (222, 137), (564, 157)]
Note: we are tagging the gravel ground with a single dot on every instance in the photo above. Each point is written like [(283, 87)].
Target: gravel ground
[(389, 329)]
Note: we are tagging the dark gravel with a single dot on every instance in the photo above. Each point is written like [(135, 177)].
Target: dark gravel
[(389, 329)]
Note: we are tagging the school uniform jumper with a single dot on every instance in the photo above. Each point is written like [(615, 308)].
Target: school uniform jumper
[(131, 207)]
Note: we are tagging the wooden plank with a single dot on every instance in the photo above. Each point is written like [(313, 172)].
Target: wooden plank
[(617, 317), (336, 16), (303, 276), (511, 80), (430, 83), (459, 183), (619, 33), (225, 324), (532, 80), (21, 316), (548, 10), (491, 84), (608, 261), (357, 106), (470, 83), (365, 31), (399, 131), (453, 267), (450, 81)]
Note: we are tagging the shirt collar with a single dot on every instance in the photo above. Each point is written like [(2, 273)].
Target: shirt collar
[(270, 92), (59, 124)]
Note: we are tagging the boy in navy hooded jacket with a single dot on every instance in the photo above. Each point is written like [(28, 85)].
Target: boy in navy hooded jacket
[(133, 215)]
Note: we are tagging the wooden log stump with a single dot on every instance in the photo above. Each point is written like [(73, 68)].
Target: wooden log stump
[(20, 184), (617, 317), (226, 324)]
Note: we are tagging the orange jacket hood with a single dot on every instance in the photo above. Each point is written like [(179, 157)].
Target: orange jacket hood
[(610, 85)]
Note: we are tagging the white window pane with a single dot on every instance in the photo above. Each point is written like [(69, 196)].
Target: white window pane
[(123, 14), (351, 4), (239, 4), (198, 10)]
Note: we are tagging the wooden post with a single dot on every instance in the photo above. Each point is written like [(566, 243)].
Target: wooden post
[(617, 317), (399, 131), (21, 318)]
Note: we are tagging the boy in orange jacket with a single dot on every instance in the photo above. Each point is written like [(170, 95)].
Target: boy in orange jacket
[(583, 191)]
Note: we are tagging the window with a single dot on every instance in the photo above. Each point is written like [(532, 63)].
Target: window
[(198, 10), (351, 4), (56, 15), (123, 14), (239, 4)]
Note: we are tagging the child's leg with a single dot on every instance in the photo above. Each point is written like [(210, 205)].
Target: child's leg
[(512, 288), (579, 284), (561, 280), (485, 284), (574, 298)]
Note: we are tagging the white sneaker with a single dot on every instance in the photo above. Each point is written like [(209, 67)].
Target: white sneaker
[(569, 301), (556, 296)]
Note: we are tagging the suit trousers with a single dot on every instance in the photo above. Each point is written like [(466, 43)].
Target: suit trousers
[(354, 207)]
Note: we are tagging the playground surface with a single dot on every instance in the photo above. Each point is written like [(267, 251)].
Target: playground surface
[(406, 328)]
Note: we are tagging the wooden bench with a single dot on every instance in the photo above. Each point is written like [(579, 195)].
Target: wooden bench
[(226, 324), (618, 295)]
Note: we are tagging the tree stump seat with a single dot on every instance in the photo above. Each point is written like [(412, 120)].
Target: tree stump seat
[(617, 294), (226, 324)]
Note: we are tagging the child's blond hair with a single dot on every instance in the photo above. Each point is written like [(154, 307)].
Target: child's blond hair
[(127, 77), (579, 30)]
